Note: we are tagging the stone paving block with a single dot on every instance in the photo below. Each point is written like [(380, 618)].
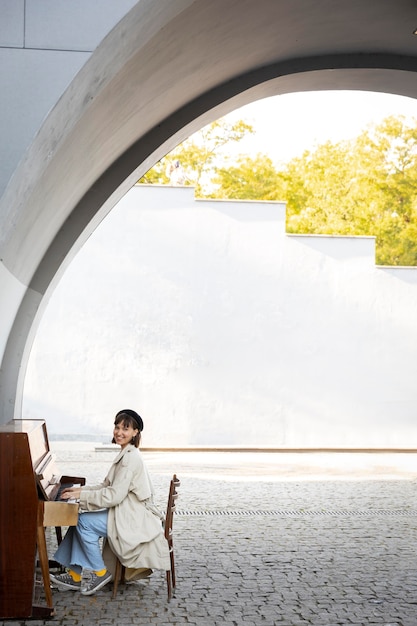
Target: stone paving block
[(323, 556)]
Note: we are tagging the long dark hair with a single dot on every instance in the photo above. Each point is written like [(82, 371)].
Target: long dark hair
[(127, 420)]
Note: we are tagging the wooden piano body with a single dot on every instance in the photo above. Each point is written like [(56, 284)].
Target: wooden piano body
[(29, 485)]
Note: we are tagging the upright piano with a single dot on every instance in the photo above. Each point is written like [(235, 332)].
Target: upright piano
[(29, 492)]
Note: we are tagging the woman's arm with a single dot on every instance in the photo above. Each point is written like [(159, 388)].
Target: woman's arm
[(106, 497), (75, 492), (122, 479)]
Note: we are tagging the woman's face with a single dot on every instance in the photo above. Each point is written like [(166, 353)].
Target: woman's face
[(123, 434)]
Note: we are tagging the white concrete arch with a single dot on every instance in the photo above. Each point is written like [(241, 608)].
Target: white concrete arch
[(168, 68)]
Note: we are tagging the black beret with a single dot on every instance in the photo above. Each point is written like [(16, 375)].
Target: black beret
[(135, 416)]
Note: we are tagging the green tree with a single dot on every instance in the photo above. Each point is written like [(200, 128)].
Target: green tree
[(198, 155), (390, 150), (249, 179), (363, 187), (319, 191)]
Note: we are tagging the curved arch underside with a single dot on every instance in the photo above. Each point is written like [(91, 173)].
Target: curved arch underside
[(168, 68)]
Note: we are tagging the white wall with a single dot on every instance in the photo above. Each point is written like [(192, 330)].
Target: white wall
[(220, 329)]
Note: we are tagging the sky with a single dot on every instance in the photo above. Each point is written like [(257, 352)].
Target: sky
[(288, 124)]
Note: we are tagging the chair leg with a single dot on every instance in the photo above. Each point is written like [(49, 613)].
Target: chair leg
[(172, 569), (58, 532), (117, 576), (169, 584)]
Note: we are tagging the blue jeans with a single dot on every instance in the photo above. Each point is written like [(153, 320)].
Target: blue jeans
[(80, 547)]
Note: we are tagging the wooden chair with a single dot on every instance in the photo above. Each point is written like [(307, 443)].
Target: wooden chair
[(119, 574), (169, 521)]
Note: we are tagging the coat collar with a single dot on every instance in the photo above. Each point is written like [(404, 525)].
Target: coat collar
[(123, 451)]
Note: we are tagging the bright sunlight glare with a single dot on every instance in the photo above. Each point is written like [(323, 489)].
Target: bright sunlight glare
[(287, 125)]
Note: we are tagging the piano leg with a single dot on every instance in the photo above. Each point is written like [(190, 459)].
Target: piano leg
[(43, 560)]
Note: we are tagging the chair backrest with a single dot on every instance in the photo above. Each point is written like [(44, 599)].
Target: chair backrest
[(172, 498)]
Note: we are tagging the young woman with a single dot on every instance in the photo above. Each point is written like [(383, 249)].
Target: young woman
[(121, 510)]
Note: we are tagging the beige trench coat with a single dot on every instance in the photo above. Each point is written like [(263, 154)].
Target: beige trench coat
[(134, 529)]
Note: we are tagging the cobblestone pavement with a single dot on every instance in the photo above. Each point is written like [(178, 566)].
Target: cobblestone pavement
[(269, 539)]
